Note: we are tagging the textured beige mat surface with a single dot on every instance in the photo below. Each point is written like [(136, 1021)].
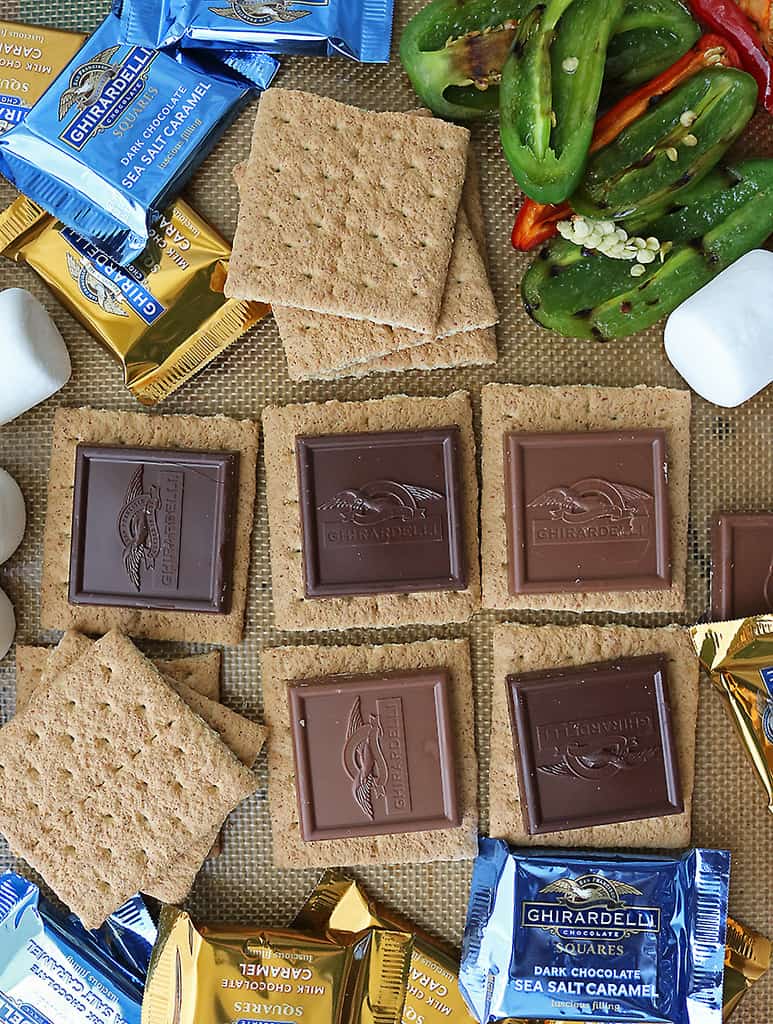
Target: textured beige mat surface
[(732, 469)]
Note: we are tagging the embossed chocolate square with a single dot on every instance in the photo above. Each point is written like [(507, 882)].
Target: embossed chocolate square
[(594, 744), (587, 511), (381, 512), (741, 564), (374, 754), (153, 528)]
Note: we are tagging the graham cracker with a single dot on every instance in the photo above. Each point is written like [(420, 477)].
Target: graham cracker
[(348, 212), (292, 609), (97, 814), (100, 426), (520, 648), (280, 666), (539, 408)]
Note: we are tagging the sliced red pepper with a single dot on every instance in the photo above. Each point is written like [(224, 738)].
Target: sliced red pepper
[(535, 222), (725, 17)]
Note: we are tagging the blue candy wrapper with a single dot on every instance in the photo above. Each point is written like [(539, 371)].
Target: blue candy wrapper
[(53, 971), (119, 132), (596, 937), (360, 29)]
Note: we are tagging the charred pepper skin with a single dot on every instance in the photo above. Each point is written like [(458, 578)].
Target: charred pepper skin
[(651, 36), (587, 295), (642, 171), (549, 94)]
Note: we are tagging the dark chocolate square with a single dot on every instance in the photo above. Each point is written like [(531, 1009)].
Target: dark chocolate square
[(374, 754), (587, 511), (594, 744), (741, 565), (381, 513), (153, 528)]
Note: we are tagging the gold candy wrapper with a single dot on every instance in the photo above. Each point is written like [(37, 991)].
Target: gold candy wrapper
[(747, 957), (163, 318), (224, 973), (738, 656), (31, 57)]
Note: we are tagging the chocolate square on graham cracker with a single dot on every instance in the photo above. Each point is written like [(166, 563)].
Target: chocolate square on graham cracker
[(385, 743), (594, 744), (374, 754), (570, 653), (741, 564), (585, 497), (372, 510), (127, 546)]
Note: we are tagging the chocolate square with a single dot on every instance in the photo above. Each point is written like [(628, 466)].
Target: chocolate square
[(594, 744), (741, 565), (587, 512), (374, 754), (381, 513), (153, 528)]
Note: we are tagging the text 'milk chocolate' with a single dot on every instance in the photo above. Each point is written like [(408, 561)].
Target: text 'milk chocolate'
[(374, 754), (153, 528), (594, 744), (587, 511), (741, 565), (381, 513)]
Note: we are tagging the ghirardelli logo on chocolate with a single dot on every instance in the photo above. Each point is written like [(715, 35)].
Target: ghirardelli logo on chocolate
[(590, 510), (383, 512), (97, 289), (138, 528), (600, 761), (88, 81), (255, 12), (375, 758), (590, 890)]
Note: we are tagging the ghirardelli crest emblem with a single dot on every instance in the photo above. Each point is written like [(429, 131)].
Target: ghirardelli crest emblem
[(381, 501), (594, 498), (588, 890), (138, 528), (255, 12), (583, 761), (364, 760), (88, 80), (97, 289)]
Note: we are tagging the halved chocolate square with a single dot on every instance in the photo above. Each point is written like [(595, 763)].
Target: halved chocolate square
[(741, 565), (587, 512), (381, 513), (374, 754), (153, 528), (594, 744)]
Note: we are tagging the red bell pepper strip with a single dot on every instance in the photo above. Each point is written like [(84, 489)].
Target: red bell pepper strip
[(725, 17), (535, 222)]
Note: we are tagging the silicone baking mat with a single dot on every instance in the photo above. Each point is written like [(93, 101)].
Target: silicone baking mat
[(732, 469)]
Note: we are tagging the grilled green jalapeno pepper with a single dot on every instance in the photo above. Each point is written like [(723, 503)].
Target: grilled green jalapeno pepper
[(550, 90), (650, 36), (587, 295), (668, 148)]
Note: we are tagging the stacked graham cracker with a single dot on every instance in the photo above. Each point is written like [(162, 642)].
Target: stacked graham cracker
[(364, 231), (131, 767)]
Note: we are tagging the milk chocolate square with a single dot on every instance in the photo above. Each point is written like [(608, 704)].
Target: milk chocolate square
[(374, 754), (587, 511), (153, 528), (594, 744), (381, 513), (741, 565)]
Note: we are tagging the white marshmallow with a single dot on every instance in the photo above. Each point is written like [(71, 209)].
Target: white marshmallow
[(13, 515), (7, 624), (721, 339), (36, 363)]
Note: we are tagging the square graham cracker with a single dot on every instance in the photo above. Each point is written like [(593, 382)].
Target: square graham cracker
[(540, 408), (281, 666), (282, 424), (521, 648), (97, 811), (348, 212), (102, 427)]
